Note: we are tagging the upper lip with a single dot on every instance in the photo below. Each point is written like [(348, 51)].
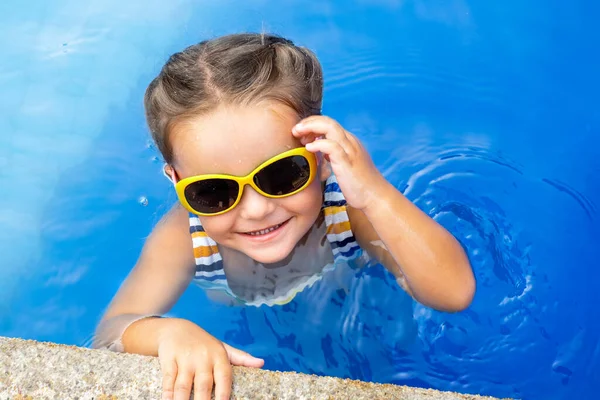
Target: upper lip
[(266, 227)]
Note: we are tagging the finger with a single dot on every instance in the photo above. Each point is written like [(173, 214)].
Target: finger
[(297, 130), (329, 129), (183, 383), (308, 138), (239, 357), (203, 384), (323, 126), (169, 373), (223, 376), (311, 118), (333, 150)]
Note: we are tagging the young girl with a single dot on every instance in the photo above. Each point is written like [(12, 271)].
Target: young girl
[(273, 195)]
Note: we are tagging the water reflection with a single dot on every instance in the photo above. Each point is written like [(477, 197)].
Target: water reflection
[(460, 104)]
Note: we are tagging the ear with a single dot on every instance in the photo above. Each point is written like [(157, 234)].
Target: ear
[(323, 167), (169, 173)]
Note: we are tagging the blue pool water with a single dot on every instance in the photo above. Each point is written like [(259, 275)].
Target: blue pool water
[(486, 114)]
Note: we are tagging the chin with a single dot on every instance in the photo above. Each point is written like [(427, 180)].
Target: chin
[(270, 256)]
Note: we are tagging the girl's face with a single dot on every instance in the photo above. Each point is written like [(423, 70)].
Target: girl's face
[(234, 140)]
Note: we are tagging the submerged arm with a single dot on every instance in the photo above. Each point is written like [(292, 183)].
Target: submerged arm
[(424, 257)]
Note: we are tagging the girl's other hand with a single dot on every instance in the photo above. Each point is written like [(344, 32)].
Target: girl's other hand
[(191, 357)]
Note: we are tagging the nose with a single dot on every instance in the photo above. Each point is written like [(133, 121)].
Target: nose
[(254, 205)]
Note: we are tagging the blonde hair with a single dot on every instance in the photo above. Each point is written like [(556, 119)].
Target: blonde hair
[(238, 69)]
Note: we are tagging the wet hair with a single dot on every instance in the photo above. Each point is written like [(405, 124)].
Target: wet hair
[(239, 69)]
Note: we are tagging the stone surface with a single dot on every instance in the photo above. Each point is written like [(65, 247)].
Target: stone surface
[(34, 370)]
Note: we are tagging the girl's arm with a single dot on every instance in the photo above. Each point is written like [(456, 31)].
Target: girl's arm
[(426, 259), (189, 356), (163, 271)]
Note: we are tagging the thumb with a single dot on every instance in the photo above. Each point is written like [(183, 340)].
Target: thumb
[(239, 357)]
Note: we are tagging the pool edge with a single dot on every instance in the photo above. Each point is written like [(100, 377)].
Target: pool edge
[(39, 370)]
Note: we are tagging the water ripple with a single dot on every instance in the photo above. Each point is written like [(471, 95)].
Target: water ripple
[(471, 190), (584, 202), (408, 68)]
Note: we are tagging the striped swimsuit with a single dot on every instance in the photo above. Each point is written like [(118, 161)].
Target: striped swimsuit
[(210, 274)]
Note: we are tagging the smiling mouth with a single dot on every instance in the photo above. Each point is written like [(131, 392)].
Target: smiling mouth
[(266, 230)]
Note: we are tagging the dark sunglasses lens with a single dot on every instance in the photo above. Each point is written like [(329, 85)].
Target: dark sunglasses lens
[(284, 176), (212, 195)]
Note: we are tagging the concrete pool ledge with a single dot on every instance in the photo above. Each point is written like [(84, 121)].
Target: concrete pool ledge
[(32, 370)]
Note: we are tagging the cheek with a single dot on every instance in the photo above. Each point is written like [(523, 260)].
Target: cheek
[(218, 226), (308, 202)]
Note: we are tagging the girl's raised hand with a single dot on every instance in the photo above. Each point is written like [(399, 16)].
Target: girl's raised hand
[(351, 163)]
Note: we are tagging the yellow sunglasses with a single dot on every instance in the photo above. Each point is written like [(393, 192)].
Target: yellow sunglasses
[(281, 176)]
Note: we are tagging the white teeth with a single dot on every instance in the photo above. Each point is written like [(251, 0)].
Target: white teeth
[(264, 231)]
